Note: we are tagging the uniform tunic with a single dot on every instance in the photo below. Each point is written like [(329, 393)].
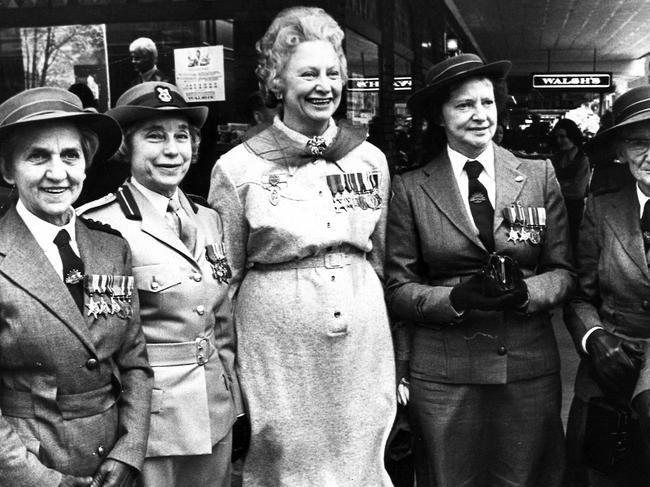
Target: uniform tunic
[(187, 321), (314, 347)]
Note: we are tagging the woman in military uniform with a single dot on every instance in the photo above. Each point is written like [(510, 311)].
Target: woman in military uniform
[(307, 199), (75, 385), (182, 276)]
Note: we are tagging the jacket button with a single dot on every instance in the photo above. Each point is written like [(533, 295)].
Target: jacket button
[(91, 364), (502, 350), (155, 285), (101, 451), (200, 309), (197, 277), (645, 304)]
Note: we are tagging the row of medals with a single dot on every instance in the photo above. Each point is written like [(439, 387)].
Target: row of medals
[(527, 223), (355, 190), (109, 295)]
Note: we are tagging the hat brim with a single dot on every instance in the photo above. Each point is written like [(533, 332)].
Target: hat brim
[(417, 101), (108, 131), (128, 114), (605, 137)]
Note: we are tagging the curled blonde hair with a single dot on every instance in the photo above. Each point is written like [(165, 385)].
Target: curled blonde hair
[(291, 27)]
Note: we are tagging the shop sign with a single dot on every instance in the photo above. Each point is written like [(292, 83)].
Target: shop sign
[(199, 73), (573, 81), (401, 83)]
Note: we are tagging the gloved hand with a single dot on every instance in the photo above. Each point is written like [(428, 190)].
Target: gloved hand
[(241, 437), (71, 481), (113, 473), (641, 404), (503, 278), (616, 362), (402, 376), (478, 292)]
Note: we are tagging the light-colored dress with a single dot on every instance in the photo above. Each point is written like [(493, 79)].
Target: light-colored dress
[(314, 346)]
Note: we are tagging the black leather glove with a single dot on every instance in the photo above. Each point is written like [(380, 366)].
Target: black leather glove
[(479, 292), (241, 437), (641, 405), (113, 473), (504, 279), (615, 361)]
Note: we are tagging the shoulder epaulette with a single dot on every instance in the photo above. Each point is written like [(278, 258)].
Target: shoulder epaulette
[(197, 200), (127, 203), (91, 205), (102, 227)]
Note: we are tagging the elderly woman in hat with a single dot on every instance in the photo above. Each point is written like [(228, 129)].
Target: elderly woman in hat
[(477, 255), (183, 279), (75, 384), (608, 317), (308, 198)]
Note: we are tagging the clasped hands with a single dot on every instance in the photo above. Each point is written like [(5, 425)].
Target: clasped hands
[(499, 286), (111, 473)]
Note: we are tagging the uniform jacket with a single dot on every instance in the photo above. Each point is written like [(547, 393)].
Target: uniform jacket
[(73, 388), (186, 316), (613, 278), (431, 245)]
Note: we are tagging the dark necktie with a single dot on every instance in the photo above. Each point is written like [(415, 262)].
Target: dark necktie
[(479, 205), (181, 224), (73, 268), (645, 226)]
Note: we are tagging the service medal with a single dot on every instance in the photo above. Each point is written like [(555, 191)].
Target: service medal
[(217, 257)]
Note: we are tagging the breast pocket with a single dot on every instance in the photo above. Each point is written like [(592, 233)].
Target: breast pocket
[(157, 278)]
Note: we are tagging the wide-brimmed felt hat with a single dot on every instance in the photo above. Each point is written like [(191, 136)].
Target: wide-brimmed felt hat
[(453, 70), (46, 104), (631, 107), (153, 98)]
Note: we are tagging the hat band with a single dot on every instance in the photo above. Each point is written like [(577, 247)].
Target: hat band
[(457, 69), (633, 109), (39, 107), (161, 97)]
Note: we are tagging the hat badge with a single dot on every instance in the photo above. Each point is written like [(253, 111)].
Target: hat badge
[(163, 94)]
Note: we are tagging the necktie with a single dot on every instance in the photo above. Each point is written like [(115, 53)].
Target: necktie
[(181, 224), (645, 226), (73, 268), (479, 205)]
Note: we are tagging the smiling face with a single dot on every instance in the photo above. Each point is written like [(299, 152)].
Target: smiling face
[(312, 87), (633, 147), (48, 168), (161, 153), (142, 60), (469, 117)]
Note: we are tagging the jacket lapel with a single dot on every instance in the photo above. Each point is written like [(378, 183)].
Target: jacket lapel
[(442, 188), (509, 183), (27, 266), (623, 219), (157, 227)]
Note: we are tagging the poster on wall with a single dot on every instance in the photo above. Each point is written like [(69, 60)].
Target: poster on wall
[(199, 73), (65, 55)]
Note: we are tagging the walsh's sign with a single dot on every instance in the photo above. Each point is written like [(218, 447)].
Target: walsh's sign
[(372, 84), (573, 81)]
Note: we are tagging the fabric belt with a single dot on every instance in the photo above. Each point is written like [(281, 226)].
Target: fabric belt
[(184, 353), (333, 259), (21, 404)]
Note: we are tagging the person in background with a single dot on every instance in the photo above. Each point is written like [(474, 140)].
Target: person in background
[(75, 383), (184, 280), (259, 115), (307, 200), (85, 94), (144, 56), (499, 132), (572, 169), (608, 316), (477, 255)]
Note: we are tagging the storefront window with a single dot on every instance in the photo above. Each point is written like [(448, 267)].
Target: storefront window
[(363, 73)]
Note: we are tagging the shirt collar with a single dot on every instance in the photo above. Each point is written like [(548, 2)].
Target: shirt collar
[(642, 198), (157, 200), (458, 160), (45, 232), (328, 135)]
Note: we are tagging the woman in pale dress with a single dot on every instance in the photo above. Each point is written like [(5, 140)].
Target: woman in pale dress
[(305, 203)]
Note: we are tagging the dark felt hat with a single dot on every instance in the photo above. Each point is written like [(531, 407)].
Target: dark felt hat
[(47, 104), (453, 70), (153, 98), (631, 107)]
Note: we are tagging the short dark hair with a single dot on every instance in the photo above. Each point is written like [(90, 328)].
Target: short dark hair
[(573, 133)]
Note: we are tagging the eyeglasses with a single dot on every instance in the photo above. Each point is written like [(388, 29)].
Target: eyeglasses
[(637, 146)]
